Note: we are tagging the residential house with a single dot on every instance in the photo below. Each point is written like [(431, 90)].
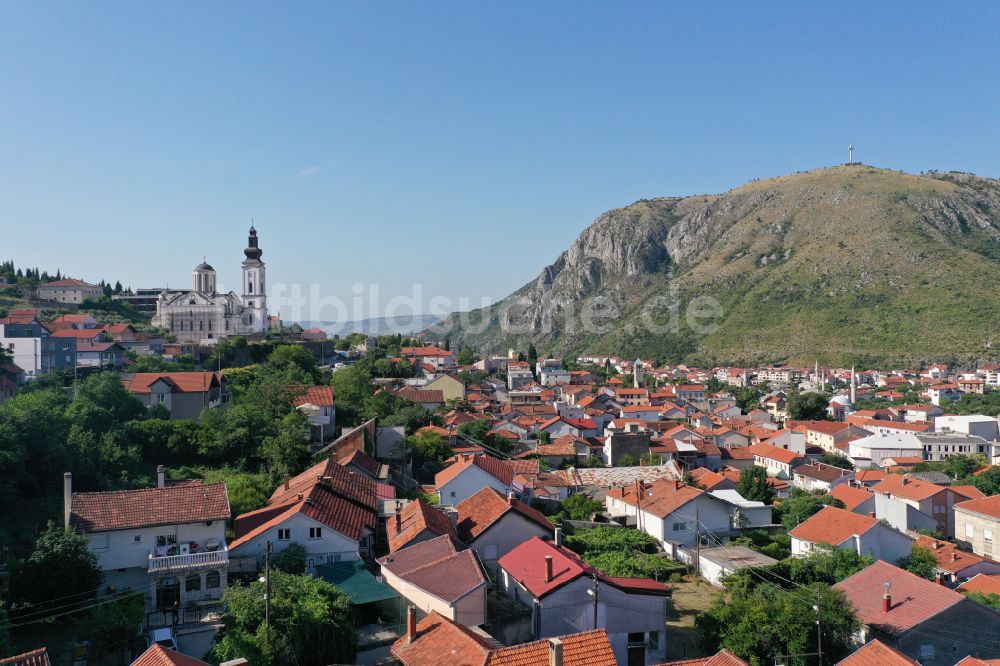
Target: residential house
[(436, 575), (977, 525), (877, 653), (469, 473), (928, 498), (424, 644), (559, 588), (871, 450), (518, 375), (11, 377), (493, 524), (157, 655), (434, 356), (820, 476), (860, 500), (69, 290), (840, 528), (319, 405), (170, 539), (451, 387), (329, 510), (100, 355), (415, 522), (32, 346), (777, 462), (955, 565), (184, 394), (918, 617), (36, 657)]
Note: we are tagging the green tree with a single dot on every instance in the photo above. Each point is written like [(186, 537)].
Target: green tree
[(579, 507), (627, 460), (988, 482), (295, 360), (807, 406), (61, 564), (801, 505), (311, 623), (466, 357), (286, 452), (921, 562), (532, 356), (292, 559), (428, 446), (836, 460), (753, 485), (116, 626), (352, 386)]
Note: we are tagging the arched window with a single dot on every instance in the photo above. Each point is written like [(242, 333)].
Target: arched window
[(212, 580), (192, 583)]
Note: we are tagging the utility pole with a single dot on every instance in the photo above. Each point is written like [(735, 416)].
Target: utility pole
[(597, 587), (819, 631), (267, 588), (697, 538)]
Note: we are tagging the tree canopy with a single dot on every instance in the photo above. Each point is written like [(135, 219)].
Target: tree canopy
[(753, 485), (807, 406)]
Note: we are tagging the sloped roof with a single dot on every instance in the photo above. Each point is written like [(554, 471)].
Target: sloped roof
[(914, 599), (982, 583), (589, 648), (877, 653), (822, 472), (439, 640), (145, 507), (498, 469), (481, 510), (38, 657), (898, 485), (949, 557), (437, 567), (660, 498), (722, 658), (414, 518), (851, 497), (833, 526), (987, 506), (185, 382), (775, 453), (157, 655), (321, 396)]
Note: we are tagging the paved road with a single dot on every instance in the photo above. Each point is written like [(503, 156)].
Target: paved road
[(196, 643)]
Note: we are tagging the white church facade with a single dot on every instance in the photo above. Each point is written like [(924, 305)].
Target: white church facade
[(202, 315)]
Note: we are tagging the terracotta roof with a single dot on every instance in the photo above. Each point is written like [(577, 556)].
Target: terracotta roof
[(480, 511), (589, 648), (158, 655), (321, 396), (343, 481), (707, 478), (437, 567), (526, 565), (145, 507), (898, 485), (822, 472), (68, 282), (660, 498), (722, 658), (970, 492), (981, 583), (976, 661), (421, 395), (833, 526), (185, 382), (774, 453), (877, 653), (914, 600), (499, 469), (414, 518), (851, 497), (439, 640), (949, 557), (987, 506), (39, 657), (361, 459), (863, 475), (78, 333)]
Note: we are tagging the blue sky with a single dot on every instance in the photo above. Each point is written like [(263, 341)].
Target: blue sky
[(458, 145)]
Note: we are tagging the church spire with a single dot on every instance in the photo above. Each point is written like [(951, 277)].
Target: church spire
[(253, 252)]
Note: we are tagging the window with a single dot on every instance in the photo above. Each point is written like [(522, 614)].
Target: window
[(451, 494), (166, 540), (192, 583), (333, 558), (939, 508), (315, 532), (653, 640), (212, 580), (100, 542), (679, 527), (969, 530), (987, 535), (137, 538), (926, 651), (284, 534)]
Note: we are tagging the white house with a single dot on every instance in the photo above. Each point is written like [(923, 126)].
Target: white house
[(170, 539), (493, 525), (820, 476), (839, 528), (470, 473)]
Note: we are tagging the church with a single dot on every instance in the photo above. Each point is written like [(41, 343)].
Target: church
[(202, 315)]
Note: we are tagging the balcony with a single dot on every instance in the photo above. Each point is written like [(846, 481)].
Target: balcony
[(204, 559)]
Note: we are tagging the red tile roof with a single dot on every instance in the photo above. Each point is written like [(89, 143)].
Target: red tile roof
[(949, 557), (970, 492), (145, 507), (526, 565), (833, 526), (877, 653), (722, 658), (421, 396), (321, 396), (79, 333), (987, 506), (68, 282), (851, 497), (775, 453), (38, 657), (660, 498), (437, 567), (914, 600), (589, 648), (822, 472), (441, 641), (898, 485), (158, 655), (479, 512), (185, 382), (864, 475), (414, 518), (981, 583)]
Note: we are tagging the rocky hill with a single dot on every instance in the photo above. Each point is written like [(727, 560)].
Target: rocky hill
[(851, 263)]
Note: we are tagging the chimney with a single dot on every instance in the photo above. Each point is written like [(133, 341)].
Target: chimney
[(161, 480), (285, 481), (938, 579), (555, 651), (548, 568), (411, 624), (67, 497), (399, 522), (557, 538), (887, 598), (871, 514), (954, 557)]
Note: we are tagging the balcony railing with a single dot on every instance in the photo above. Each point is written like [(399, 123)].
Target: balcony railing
[(210, 558)]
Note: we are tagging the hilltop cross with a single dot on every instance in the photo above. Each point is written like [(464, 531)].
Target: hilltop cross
[(850, 154)]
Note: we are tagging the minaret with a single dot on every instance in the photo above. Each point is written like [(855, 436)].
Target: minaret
[(637, 374), (854, 383), (254, 294)]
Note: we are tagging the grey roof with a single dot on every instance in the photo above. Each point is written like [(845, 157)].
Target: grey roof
[(203, 267), (735, 558)]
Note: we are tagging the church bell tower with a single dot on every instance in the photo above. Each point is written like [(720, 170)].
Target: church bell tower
[(254, 295)]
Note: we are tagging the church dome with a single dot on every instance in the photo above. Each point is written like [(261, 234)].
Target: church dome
[(203, 267), (252, 251)]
